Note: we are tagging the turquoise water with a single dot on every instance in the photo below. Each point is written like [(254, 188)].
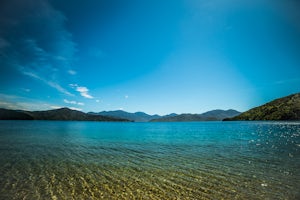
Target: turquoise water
[(196, 160)]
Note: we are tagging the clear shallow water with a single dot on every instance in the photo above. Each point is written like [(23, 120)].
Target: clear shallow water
[(205, 160)]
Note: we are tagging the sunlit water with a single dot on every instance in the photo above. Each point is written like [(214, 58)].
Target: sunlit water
[(205, 160)]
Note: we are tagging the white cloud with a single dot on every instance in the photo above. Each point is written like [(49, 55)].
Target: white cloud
[(97, 100), (55, 107), (74, 108), (126, 96), (73, 102), (84, 92), (72, 72)]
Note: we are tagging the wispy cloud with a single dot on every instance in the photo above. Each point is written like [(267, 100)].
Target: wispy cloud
[(73, 102), (72, 72), (56, 107), (35, 42), (73, 85), (59, 88), (49, 83), (8, 105), (22, 103), (70, 102), (74, 108), (84, 91), (38, 22)]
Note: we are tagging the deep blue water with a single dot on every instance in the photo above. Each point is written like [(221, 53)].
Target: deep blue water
[(195, 160)]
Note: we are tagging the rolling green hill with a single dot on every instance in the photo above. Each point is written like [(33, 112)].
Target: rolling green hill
[(6, 114), (286, 108), (64, 114)]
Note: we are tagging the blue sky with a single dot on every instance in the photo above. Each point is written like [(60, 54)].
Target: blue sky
[(183, 56)]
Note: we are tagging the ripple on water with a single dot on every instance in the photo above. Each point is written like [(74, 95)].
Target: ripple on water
[(89, 168)]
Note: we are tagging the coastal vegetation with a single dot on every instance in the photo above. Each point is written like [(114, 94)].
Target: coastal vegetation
[(285, 108), (64, 114)]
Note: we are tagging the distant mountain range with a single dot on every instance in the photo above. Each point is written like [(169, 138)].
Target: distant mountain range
[(67, 114), (64, 114), (286, 108), (214, 115), (137, 116)]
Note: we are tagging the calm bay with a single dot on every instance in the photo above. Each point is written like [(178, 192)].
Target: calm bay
[(114, 160)]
